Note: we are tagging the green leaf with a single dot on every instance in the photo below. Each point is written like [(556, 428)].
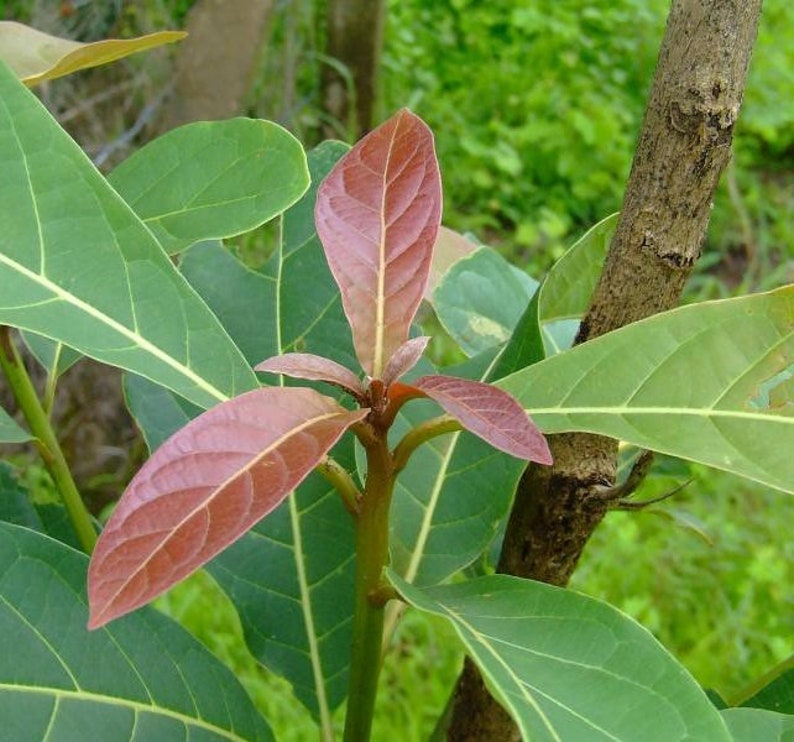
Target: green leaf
[(710, 382), (777, 695), (15, 503), (758, 725), (37, 56), (53, 356), (291, 577), (567, 666), (212, 179), (569, 285), (291, 580), (480, 299), (78, 266), (10, 432), (144, 677), (17, 506)]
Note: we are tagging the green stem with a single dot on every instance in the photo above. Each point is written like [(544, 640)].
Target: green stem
[(745, 694), (372, 551), (419, 435), (50, 449), (342, 482)]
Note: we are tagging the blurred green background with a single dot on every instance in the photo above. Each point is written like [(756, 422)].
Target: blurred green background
[(536, 107)]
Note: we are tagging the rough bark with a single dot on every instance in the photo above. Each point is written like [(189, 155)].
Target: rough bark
[(683, 147), (355, 40), (217, 61)]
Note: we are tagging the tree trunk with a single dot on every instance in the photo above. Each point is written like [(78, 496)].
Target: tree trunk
[(217, 61), (683, 148), (355, 39)]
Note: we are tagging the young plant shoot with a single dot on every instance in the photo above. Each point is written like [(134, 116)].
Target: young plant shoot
[(377, 215)]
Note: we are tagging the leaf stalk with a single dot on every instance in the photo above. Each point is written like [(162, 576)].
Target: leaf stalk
[(46, 440)]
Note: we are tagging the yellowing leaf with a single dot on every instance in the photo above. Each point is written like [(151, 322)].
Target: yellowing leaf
[(36, 56)]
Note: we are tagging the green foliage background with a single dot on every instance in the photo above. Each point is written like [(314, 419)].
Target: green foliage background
[(536, 107)]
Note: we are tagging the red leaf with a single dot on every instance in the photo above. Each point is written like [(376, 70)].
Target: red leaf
[(404, 358), (204, 488), (314, 368), (377, 216), (489, 413)]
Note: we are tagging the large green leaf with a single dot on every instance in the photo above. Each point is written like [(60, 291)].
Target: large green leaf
[(291, 577), (141, 678), (758, 725), (78, 266), (569, 667), (711, 382), (212, 179), (10, 432)]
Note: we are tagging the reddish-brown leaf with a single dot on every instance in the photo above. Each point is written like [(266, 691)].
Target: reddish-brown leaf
[(204, 488), (377, 216), (314, 368), (489, 413), (404, 358)]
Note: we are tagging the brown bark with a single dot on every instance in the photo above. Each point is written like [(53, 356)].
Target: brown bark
[(684, 146), (355, 40), (217, 61)]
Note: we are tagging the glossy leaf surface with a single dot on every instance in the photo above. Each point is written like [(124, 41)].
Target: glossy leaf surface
[(204, 488), (377, 215), (313, 368), (35, 56), (212, 179), (144, 677), (488, 413), (78, 266), (567, 666), (710, 382)]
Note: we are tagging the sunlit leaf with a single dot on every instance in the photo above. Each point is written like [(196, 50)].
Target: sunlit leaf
[(205, 487), (144, 677), (35, 56), (707, 382), (78, 266), (377, 215), (567, 666), (488, 413), (212, 179)]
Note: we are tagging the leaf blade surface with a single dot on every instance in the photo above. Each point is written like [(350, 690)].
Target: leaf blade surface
[(205, 487), (568, 666), (709, 382), (377, 216)]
